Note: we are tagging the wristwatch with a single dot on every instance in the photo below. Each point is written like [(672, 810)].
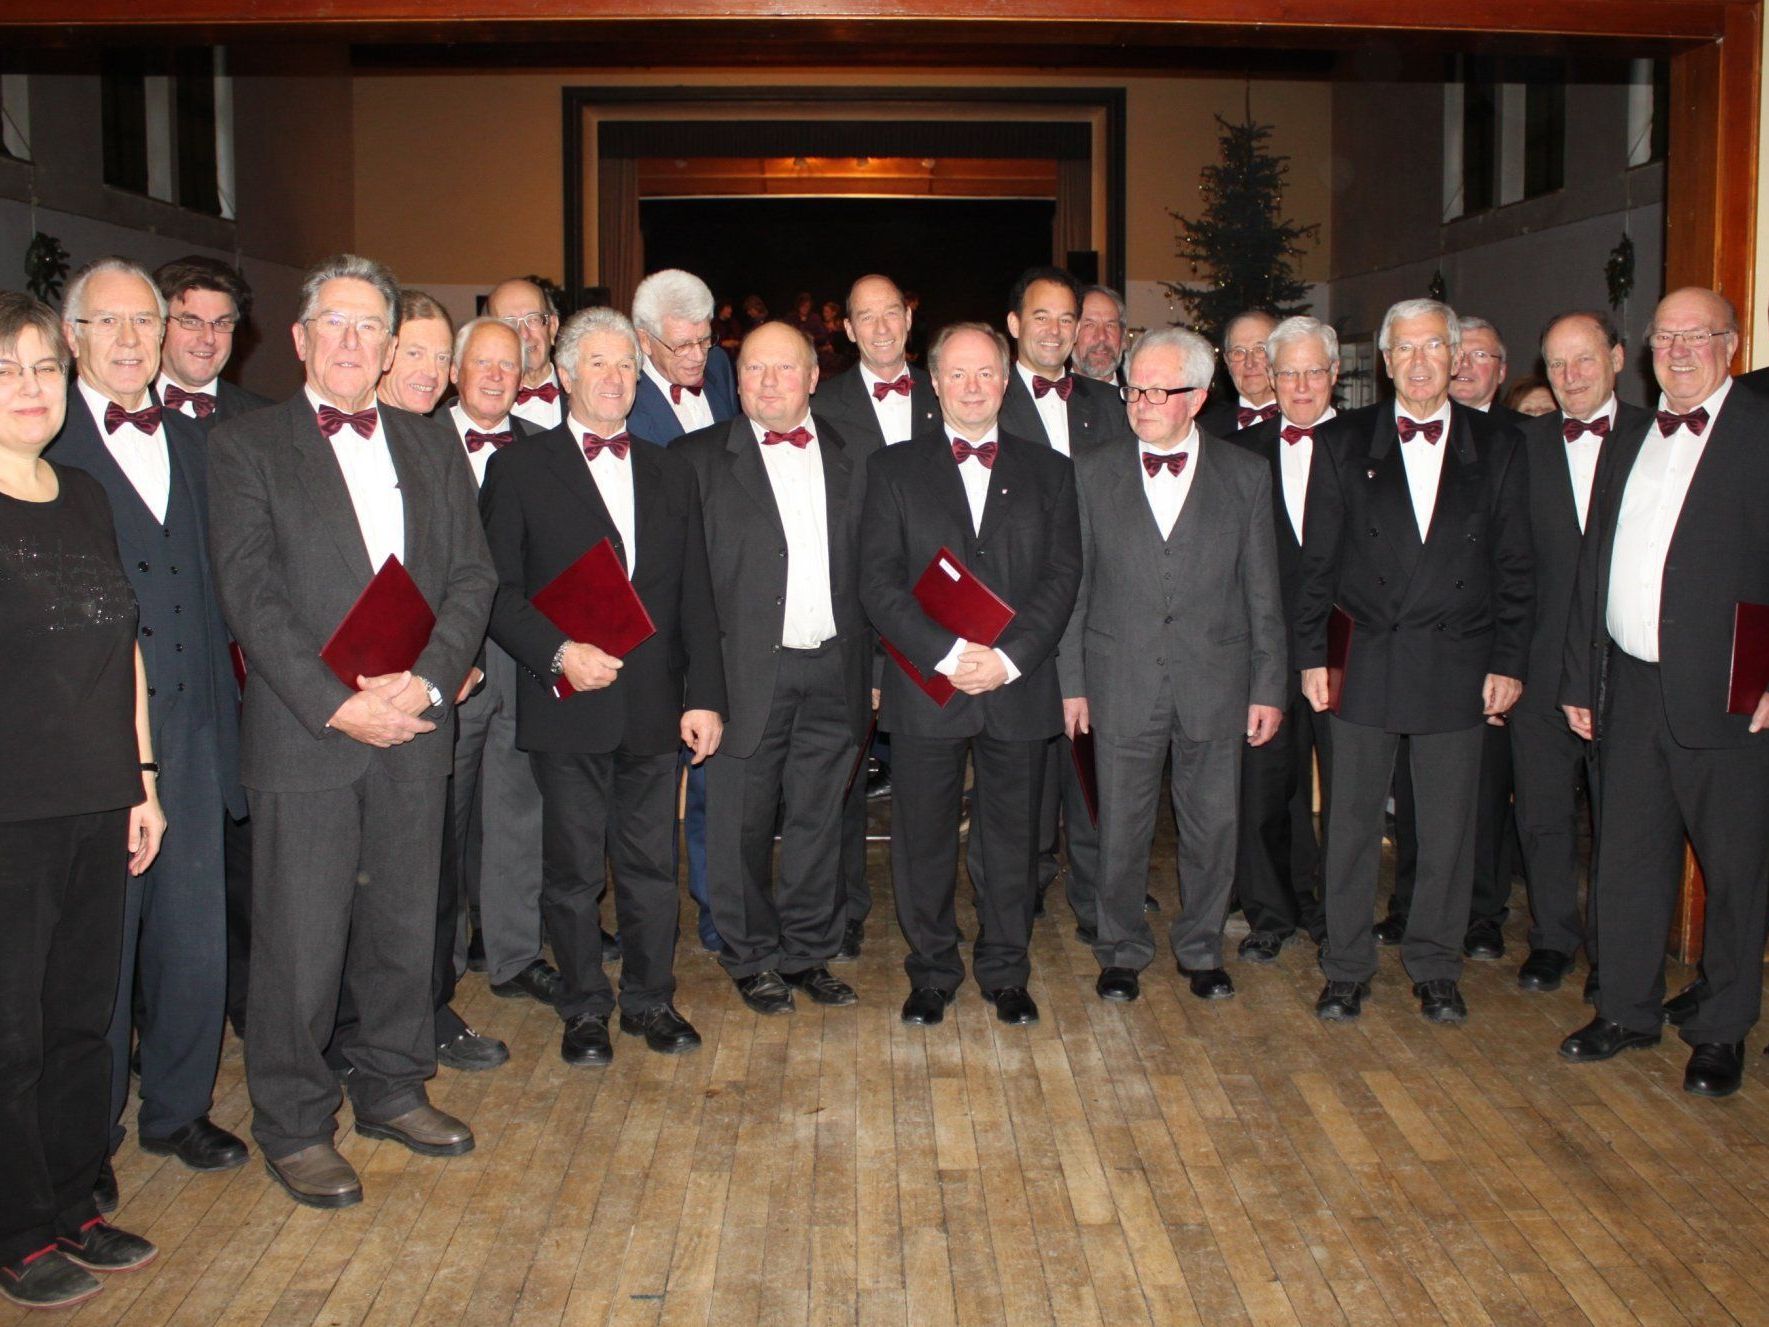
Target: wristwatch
[(431, 691), (559, 658)]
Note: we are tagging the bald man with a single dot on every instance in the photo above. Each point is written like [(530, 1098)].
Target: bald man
[(521, 304)]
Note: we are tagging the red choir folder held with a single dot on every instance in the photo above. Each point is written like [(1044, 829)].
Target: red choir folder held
[(1086, 775), (1339, 625), (1750, 657), (593, 601), (953, 597), (385, 630)]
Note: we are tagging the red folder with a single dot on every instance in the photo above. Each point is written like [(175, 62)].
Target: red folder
[(593, 601), (1081, 753), (1339, 625), (1750, 657), (953, 597), (385, 630)]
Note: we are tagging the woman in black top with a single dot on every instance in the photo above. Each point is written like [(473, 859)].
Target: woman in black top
[(77, 808)]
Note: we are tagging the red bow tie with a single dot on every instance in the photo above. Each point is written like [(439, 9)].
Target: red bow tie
[(1062, 386), (1431, 430), (1291, 433), (900, 386), (331, 420), (1695, 421), (983, 451), (202, 404), (476, 439), (1573, 429), (147, 419), (1154, 461), (547, 391), (618, 444), (1249, 415), (798, 437), (677, 388)]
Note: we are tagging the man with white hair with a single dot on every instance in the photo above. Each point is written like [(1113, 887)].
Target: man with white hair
[(1418, 531), (522, 304), (1175, 649)]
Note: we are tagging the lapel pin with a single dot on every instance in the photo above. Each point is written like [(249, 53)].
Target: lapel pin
[(1369, 474)]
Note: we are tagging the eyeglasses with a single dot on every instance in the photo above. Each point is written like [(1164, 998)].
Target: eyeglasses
[(111, 323), (532, 321), (1241, 354), (336, 324), (1483, 356), (1429, 347), (12, 374), (1155, 395), (702, 344), (1695, 339), (1290, 377), (222, 326)]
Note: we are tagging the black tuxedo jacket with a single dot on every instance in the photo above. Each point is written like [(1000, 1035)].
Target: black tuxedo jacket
[(1028, 552), (1432, 617), (1555, 537), (231, 401), (1263, 441), (542, 512), (746, 545), (1719, 555), (1095, 412), (1222, 419), (846, 402)]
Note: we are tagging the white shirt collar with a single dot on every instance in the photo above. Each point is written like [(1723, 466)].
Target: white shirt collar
[(1711, 405), (98, 403)]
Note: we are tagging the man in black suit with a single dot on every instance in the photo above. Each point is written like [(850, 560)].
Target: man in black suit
[(1244, 355), (1418, 530), (780, 494), (347, 783), (1278, 859), (1099, 336), (522, 305), (1676, 541), (605, 756), (151, 463), (1006, 507), (1584, 353)]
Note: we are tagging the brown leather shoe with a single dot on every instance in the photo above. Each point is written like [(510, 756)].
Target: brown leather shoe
[(316, 1177), (426, 1130)]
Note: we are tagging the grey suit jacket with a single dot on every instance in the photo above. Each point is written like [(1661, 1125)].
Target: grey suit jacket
[(290, 561), (1201, 609)]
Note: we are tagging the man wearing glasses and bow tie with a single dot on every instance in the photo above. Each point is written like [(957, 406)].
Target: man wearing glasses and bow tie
[(525, 307), (1249, 370), (1418, 530), (207, 302)]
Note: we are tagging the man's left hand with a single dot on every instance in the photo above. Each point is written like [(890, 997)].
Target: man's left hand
[(979, 669), (1760, 719), (1500, 694), (474, 677), (701, 731), (411, 699), (1262, 723)]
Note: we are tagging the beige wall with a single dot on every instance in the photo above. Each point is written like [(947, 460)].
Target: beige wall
[(458, 175)]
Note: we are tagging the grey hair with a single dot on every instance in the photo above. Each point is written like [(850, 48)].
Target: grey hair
[(473, 325), (1420, 308), (1197, 354), (350, 267), (1114, 296), (1300, 328), (951, 330), (671, 293), (1468, 323), (73, 304), (580, 325)]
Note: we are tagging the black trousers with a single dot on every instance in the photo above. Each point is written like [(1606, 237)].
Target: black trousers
[(616, 808), (236, 855), (1495, 834), (1551, 761), (1065, 829), (1278, 856), (1654, 793), (61, 898), (927, 778)]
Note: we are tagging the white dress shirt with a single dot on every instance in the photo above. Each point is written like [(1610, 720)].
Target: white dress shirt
[(975, 478), (1581, 461), (796, 476), (1652, 500), (1294, 462), (1165, 490), (144, 457), (896, 419), (548, 414), (614, 481), (693, 411), (1052, 409), (373, 484), (477, 461), (1424, 465), (186, 409)]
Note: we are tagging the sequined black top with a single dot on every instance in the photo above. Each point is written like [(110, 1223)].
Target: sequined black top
[(67, 657)]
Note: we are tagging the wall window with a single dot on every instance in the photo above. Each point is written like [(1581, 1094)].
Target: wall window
[(1649, 111), (1504, 132), (168, 132), (15, 117)]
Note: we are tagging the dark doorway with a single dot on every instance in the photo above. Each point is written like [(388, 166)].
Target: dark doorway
[(960, 255)]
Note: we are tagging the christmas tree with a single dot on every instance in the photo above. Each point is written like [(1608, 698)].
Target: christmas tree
[(1241, 240)]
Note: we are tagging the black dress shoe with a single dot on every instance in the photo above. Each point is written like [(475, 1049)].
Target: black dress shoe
[(1716, 1069), (665, 1031), (1484, 941), (538, 981), (1261, 947), (1593, 987), (1087, 935), (1118, 984), (1543, 970), (469, 1051), (878, 781), (47, 1280), (853, 937), (104, 1189), (1682, 1006), (476, 951), (926, 1006), (1440, 1000), (1013, 1005), (1390, 930), (201, 1145), (1602, 1040), (765, 992), (820, 986), (586, 1040), (1208, 983), (1341, 1001), (1150, 903)]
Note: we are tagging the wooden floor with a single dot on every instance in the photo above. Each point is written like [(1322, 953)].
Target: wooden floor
[(1165, 1162)]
